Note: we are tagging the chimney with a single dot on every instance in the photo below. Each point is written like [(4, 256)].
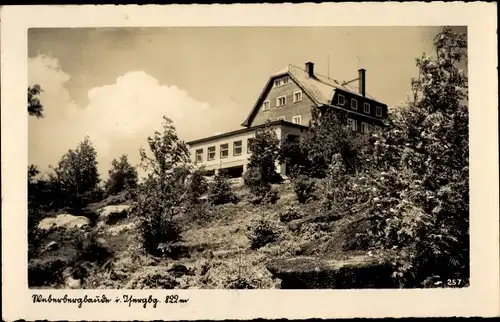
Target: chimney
[(362, 81), (310, 69)]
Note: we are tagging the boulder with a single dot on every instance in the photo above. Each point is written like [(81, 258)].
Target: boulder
[(66, 221), (112, 214), (73, 283), (178, 270), (122, 228), (311, 272)]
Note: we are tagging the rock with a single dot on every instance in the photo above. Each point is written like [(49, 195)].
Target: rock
[(112, 214), (73, 283), (51, 246), (178, 270), (119, 229), (66, 221), (315, 272)]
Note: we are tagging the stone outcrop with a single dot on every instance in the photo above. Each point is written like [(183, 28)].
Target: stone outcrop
[(314, 272), (111, 214), (66, 221)]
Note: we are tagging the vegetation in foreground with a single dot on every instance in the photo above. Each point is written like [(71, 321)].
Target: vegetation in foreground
[(403, 189)]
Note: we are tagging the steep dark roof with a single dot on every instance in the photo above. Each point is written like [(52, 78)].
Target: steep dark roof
[(247, 129), (319, 88)]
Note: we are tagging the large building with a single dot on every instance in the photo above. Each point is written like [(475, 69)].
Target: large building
[(286, 101)]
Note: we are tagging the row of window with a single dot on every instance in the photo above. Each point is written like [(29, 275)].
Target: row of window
[(295, 119), (281, 81), (354, 105), (365, 127), (224, 150), (281, 101)]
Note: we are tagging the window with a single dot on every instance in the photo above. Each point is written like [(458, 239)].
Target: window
[(354, 104), (211, 153), (280, 101), (365, 127), (224, 151), (379, 110), (297, 119), (297, 97), (249, 145), (266, 106), (341, 100), (199, 155), (353, 124), (237, 147), (286, 80), (366, 108), (280, 118), (277, 82)]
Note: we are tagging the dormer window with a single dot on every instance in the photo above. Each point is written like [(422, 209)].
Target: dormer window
[(266, 106), (341, 100), (281, 101), (379, 110), (281, 81), (366, 108), (354, 104), (297, 97)]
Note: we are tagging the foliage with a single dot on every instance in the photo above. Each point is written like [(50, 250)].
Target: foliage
[(415, 173), (197, 186), (261, 191), (164, 189), (262, 232), (304, 188), (265, 149), (76, 177), (328, 135), (35, 107), (220, 191), (121, 177), (289, 213)]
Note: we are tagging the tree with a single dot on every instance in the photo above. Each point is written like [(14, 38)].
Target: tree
[(265, 149), (35, 107), (328, 135), (77, 176), (415, 173), (122, 176), (164, 189)]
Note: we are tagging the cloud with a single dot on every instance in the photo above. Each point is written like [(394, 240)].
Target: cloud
[(118, 117)]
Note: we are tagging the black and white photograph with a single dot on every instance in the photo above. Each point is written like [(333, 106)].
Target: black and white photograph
[(242, 158), (282, 162)]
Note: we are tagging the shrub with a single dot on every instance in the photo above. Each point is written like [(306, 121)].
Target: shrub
[(197, 187), (289, 213), (220, 191), (262, 232), (304, 188), (261, 191)]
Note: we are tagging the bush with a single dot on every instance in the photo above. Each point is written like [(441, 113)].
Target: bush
[(304, 188), (261, 191), (220, 191), (289, 213), (197, 187), (262, 232)]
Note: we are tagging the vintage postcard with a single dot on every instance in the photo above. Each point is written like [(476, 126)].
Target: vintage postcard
[(249, 161)]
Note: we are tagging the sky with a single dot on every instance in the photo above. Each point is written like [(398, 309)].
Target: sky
[(115, 84)]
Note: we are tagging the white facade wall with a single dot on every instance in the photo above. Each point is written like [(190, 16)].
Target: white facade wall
[(235, 160)]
